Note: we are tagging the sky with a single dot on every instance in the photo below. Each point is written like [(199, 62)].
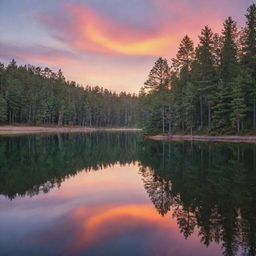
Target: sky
[(109, 43)]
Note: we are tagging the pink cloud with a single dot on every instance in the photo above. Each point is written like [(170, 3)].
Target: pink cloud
[(87, 30)]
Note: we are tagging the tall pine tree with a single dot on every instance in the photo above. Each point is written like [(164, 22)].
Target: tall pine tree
[(159, 76), (228, 71), (181, 66), (157, 87), (204, 75), (249, 61), (238, 105)]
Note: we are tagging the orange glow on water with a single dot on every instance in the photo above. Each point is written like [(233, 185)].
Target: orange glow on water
[(108, 222), (145, 212)]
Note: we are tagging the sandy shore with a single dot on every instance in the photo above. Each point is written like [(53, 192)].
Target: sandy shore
[(232, 139), (6, 130)]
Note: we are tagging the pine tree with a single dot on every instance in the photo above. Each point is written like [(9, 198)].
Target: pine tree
[(189, 106), (3, 109), (221, 110), (229, 62), (184, 57), (217, 50), (2, 73), (181, 66), (238, 105), (228, 72), (249, 44), (157, 86), (159, 76), (204, 75), (249, 60), (154, 97)]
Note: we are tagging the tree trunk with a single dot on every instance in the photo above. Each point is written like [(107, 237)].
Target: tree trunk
[(169, 121), (60, 119), (238, 125), (201, 112), (169, 128), (163, 121), (254, 114), (209, 117)]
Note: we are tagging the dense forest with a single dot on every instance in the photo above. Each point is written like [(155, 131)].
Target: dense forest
[(207, 89), (34, 95)]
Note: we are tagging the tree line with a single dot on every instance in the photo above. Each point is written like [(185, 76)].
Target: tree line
[(35, 95), (210, 88)]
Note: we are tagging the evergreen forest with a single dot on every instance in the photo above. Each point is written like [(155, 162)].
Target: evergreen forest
[(39, 96), (207, 89)]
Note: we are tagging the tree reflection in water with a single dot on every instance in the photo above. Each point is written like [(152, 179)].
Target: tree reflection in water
[(209, 188), (33, 164)]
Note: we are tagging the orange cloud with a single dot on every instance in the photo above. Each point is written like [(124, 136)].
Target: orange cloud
[(96, 32)]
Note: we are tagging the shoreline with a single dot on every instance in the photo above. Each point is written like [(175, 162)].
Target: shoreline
[(227, 138), (15, 130)]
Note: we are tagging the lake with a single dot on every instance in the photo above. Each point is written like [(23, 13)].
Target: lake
[(117, 193)]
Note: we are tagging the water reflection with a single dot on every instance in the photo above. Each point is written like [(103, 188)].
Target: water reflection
[(202, 196), (209, 186), (30, 164)]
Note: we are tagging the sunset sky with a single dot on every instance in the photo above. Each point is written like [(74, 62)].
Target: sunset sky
[(110, 43)]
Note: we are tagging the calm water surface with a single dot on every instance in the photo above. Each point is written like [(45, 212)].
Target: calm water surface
[(118, 194)]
